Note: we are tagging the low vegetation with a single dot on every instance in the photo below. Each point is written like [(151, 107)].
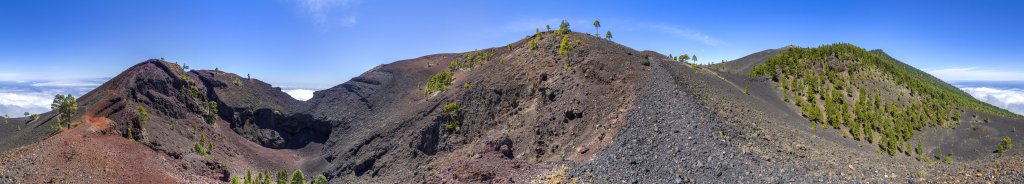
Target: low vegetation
[(143, 116), (452, 112), (442, 80), (533, 44), (565, 46), (1004, 145), (32, 117), (202, 146), (297, 177), (869, 94), (211, 112), (471, 60), (439, 82)]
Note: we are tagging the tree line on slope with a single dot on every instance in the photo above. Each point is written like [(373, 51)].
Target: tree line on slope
[(869, 95)]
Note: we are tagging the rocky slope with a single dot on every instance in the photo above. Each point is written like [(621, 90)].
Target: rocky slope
[(531, 111)]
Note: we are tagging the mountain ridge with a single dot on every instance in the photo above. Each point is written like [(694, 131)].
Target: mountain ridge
[(554, 106)]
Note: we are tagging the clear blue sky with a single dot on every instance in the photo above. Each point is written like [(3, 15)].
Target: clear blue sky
[(317, 44)]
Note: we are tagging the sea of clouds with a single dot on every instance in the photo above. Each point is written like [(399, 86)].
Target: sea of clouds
[(300, 94), (1007, 95), (35, 97)]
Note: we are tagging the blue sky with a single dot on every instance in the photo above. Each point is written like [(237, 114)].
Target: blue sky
[(316, 44)]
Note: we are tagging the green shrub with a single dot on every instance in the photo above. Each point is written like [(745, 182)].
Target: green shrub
[(298, 177), (920, 148), (452, 113), (451, 108), (565, 46), (948, 158), (248, 177), (131, 136), (1004, 145), (320, 179), (608, 35), (143, 116), (473, 59), (234, 180), (282, 177), (211, 112), (266, 177), (439, 82), (533, 44), (746, 90), (202, 146)]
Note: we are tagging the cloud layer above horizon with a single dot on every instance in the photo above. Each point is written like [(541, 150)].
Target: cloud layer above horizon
[(300, 94), (1011, 99), (16, 98)]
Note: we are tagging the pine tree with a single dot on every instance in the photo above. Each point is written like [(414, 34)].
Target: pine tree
[(65, 106), (298, 178), (920, 148), (282, 177), (248, 177), (608, 35), (563, 28), (564, 47), (320, 179), (143, 116)]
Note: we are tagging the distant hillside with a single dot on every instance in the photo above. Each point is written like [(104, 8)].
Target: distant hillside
[(869, 94)]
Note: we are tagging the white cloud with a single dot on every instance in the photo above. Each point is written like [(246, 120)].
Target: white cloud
[(688, 34), (323, 12), (976, 74), (300, 94), (25, 100), (66, 84), (15, 104), (35, 97), (1009, 99)]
